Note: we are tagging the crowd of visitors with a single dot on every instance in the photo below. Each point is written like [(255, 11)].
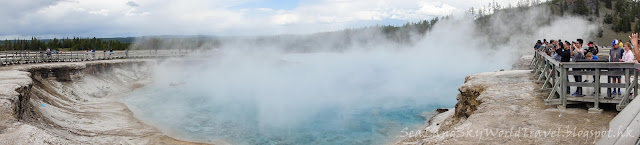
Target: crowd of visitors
[(575, 51)]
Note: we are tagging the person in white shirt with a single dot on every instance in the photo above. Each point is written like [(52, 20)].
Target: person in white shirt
[(628, 56)]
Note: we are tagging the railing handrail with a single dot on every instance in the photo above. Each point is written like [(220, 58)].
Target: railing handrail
[(589, 64), (550, 71), (21, 57)]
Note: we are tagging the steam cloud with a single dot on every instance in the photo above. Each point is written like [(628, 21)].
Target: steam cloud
[(261, 84)]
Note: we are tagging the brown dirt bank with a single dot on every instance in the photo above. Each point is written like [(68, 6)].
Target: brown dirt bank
[(506, 108), (74, 103)]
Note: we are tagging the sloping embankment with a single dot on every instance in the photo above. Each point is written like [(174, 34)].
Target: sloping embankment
[(506, 108), (74, 103)]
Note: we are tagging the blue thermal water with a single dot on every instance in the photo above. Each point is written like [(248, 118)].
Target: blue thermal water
[(302, 99), (199, 117)]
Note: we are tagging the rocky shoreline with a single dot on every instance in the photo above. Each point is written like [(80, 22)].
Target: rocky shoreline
[(74, 103), (506, 107)]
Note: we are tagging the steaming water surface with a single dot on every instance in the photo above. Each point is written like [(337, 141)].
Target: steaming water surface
[(317, 98)]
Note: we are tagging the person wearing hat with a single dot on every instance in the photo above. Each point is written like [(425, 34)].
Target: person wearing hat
[(593, 49), (615, 55)]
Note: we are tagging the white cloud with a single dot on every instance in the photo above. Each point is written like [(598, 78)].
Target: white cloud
[(210, 17), (285, 18), (265, 9), (427, 8), (103, 12)]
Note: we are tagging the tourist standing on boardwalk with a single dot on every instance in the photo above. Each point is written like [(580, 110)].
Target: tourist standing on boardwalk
[(615, 55), (549, 46), (577, 53), (557, 46), (593, 48), (48, 52), (565, 56), (621, 44), (590, 56), (538, 45), (628, 55)]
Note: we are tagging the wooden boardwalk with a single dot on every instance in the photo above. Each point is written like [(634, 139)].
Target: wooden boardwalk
[(554, 76), (27, 57)]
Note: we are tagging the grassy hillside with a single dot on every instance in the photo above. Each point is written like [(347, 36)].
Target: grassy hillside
[(622, 14), (608, 33)]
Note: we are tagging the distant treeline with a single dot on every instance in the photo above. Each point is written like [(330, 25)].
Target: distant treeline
[(625, 12), (332, 41), (620, 14), (401, 33), (68, 44)]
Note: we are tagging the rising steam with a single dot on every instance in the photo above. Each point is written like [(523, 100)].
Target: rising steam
[(291, 88)]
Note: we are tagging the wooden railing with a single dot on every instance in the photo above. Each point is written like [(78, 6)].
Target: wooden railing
[(25, 57), (554, 75)]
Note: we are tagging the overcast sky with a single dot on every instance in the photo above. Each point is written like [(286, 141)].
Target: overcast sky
[(122, 18)]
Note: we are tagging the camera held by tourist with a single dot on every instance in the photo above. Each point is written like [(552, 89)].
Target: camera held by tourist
[(578, 54), (593, 49), (538, 45)]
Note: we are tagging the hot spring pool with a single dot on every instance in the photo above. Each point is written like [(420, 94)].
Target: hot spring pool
[(195, 116), (351, 98)]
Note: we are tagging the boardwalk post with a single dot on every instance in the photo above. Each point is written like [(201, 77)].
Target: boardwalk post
[(563, 92), (548, 78), (635, 84), (627, 85), (535, 64), (533, 60), (544, 71), (625, 98), (596, 103)]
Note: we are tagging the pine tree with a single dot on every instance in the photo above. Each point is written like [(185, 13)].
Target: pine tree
[(637, 27), (608, 19), (7, 44), (620, 6), (581, 8), (597, 11)]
